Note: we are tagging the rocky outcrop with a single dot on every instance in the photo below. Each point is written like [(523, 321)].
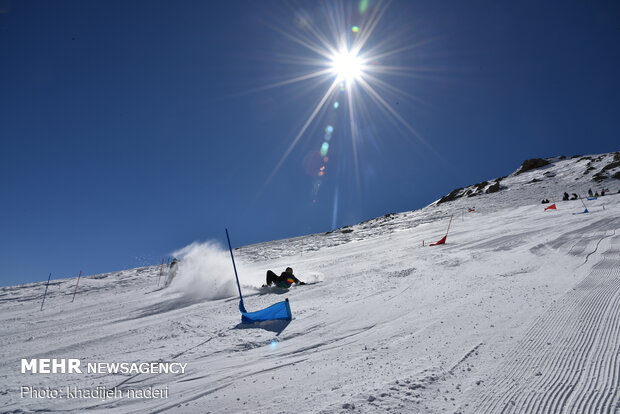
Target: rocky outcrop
[(450, 197), (532, 164)]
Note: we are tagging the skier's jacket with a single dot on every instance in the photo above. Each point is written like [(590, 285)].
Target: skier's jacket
[(286, 280)]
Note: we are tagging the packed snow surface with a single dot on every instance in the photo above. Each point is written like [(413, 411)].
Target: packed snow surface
[(518, 312)]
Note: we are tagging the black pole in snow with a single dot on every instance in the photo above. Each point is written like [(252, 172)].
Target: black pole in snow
[(46, 286), (241, 307)]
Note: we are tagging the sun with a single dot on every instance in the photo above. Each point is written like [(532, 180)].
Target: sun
[(355, 64), (347, 66)]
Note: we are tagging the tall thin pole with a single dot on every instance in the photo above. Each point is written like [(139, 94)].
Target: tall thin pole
[(241, 307), (46, 286), (584, 204), (76, 285), (449, 225)]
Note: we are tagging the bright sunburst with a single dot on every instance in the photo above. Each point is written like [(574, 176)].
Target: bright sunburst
[(347, 66), (351, 61)]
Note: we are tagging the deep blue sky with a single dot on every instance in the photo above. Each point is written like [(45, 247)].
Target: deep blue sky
[(131, 129)]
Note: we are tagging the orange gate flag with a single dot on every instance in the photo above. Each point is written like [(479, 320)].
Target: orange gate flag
[(443, 239)]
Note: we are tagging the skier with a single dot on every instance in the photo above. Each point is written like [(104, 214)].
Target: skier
[(565, 196), (285, 280), (589, 192)]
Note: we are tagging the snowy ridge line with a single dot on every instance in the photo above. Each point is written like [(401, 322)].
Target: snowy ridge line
[(373, 228), (582, 334)]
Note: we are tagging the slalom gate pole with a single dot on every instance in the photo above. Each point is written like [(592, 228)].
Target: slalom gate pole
[(46, 286), (241, 307), (76, 285), (449, 224), (584, 204), (161, 268)]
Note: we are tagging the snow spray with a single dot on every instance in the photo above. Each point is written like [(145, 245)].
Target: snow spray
[(204, 272), (161, 269)]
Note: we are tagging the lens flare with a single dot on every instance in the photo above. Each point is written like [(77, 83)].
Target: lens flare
[(363, 6), (324, 149), (312, 163), (355, 29)]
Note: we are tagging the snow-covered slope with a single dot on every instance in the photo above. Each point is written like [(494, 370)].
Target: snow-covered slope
[(518, 312)]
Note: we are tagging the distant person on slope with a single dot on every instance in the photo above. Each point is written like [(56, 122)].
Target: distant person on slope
[(589, 192), (574, 197), (285, 280), (565, 197)]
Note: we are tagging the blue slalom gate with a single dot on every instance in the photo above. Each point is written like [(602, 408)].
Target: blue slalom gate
[(278, 311)]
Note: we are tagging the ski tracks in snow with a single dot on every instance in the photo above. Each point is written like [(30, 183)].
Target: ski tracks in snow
[(568, 361)]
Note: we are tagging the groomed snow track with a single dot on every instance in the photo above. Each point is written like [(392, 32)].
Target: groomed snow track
[(568, 361)]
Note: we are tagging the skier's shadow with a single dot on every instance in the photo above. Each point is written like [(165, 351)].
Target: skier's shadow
[(277, 326)]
